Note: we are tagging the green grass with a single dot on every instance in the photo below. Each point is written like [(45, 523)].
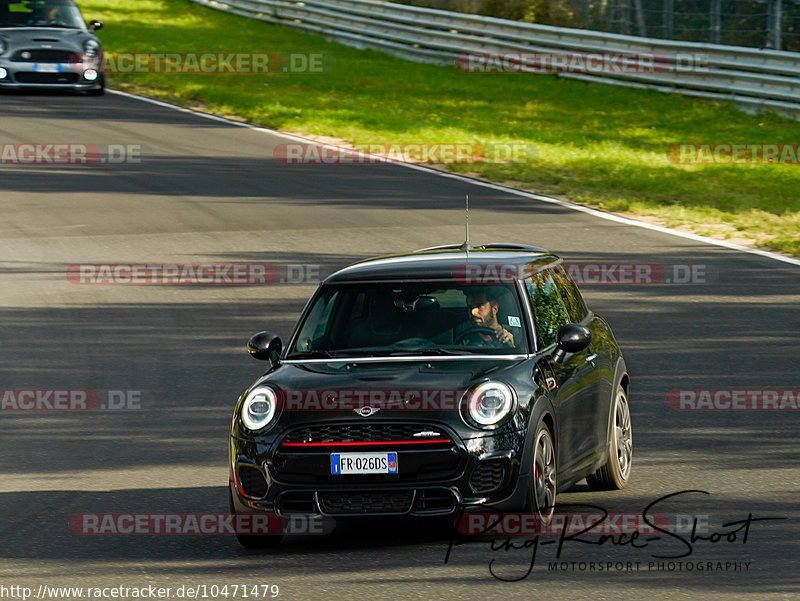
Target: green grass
[(597, 145)]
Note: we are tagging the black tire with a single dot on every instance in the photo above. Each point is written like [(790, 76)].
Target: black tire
[(617, 470), (254, 541), (99, 91), (542, 485)]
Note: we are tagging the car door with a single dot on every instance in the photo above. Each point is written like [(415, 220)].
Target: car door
[(574, 395), (599, 354)]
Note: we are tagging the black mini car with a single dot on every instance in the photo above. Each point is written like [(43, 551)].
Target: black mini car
[(449, 379)]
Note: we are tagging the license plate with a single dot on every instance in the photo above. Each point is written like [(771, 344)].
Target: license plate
[(46, 68), (363, 463)]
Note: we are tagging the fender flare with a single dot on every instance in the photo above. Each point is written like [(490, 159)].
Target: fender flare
[(542, 409), (620, 375)]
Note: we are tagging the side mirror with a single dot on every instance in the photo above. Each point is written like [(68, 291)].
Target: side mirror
[(95, 25), (571, 338), (265, 346)]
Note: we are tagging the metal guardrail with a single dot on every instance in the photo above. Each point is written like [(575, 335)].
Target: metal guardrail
[(755, 79)]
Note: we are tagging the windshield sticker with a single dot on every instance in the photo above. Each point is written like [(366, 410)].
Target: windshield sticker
[(513, 321)]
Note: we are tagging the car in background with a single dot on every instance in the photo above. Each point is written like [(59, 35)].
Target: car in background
[(445, 380), (46, 44)]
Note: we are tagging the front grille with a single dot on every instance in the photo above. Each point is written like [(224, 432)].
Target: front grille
[(44, 55), (365, 502), (49, 78), (304, 454), (354, 432), (252, 482), (487, 476)]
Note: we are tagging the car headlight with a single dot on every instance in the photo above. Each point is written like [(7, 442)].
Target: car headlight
[(489, 404), (91, 47), (259, 407)]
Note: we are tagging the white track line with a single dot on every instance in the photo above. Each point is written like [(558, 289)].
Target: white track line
[(477, 182)]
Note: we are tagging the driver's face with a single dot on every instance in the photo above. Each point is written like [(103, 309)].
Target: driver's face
[(482, 312)]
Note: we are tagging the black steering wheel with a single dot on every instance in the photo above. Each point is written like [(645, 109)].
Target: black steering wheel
[(475, 334), (413, 343)]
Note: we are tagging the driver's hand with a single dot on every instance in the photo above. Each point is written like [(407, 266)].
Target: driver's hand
[(504, 335)]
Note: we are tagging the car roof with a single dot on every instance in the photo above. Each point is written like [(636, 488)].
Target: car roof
[(444, 263)]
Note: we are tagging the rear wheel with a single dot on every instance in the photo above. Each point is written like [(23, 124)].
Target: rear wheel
[(542, 487), (254, 541), (617, 470)]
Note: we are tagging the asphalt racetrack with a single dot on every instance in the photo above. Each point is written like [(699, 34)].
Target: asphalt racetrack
[(201, 191)]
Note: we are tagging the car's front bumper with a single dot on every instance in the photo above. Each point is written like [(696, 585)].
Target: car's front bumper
[(52, 76), (482, 473)]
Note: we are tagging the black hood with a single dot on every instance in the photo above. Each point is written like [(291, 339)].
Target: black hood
[(416, 390)]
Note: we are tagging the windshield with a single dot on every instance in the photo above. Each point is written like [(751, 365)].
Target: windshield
[(411, 318), (40, 13)]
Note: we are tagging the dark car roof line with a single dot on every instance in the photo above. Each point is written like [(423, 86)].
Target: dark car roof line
[(491, 246), (441, 263)]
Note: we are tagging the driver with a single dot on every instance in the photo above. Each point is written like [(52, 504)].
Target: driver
[(482, 304), (45, 13)]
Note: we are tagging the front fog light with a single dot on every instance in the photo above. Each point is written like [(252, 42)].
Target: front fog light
[(90, 75), (3, 73), (489, 404), (259, 408)]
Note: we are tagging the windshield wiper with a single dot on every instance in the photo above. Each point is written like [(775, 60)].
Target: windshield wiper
[(429, 351), (314, 355)]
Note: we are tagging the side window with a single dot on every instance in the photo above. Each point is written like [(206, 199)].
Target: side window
[(570, 295), (548, 309)]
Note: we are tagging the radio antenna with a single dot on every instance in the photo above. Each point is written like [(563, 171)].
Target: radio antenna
[(466, 246)]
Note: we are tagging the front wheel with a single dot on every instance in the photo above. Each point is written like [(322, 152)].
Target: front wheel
[(100, 90), (254, 541), (542, 487), (617, 470)]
